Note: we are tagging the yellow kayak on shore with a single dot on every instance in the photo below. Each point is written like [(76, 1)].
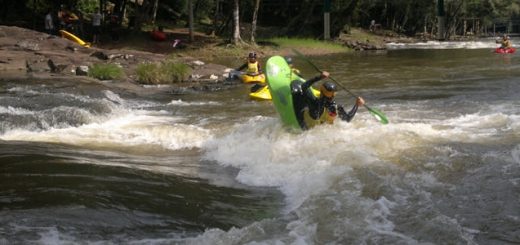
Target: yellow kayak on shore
[(74, 38)]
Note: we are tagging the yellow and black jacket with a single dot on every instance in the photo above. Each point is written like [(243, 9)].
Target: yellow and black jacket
[(311, 110)]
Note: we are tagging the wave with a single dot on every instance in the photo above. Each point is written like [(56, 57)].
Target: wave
[(132, 130), (193, 103), (486, 44)]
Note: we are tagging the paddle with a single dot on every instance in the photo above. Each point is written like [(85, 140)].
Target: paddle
[(376, 113)]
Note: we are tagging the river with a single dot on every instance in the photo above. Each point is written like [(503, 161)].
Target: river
[(87, 165)]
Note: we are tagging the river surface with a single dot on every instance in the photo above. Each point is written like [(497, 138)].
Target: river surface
[(81, 164)]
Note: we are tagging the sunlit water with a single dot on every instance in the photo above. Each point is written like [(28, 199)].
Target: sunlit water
[(83, 164)]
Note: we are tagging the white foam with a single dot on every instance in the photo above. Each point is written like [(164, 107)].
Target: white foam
[(133, 129), (515, 153), (15, 110), (300, 164), (113, 96), (316, 170), (179, 102), (444, 45), (50, 236), (47, 235), (304, 164)]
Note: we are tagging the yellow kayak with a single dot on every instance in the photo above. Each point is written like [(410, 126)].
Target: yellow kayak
[(74, 38), (262, 93), (246, 78), (265, 94)]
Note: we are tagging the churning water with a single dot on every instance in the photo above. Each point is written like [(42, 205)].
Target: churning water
[(83, 164)]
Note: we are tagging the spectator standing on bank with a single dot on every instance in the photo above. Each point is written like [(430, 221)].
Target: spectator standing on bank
[(49, 23), (372, 25), (62, 14), (96, 25)]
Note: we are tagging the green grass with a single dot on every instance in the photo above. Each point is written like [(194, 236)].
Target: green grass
[(106, 71), (162, 73), (284, 42)]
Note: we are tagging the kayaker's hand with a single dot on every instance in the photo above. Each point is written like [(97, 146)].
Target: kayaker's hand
[(324, 74), (360, 101)]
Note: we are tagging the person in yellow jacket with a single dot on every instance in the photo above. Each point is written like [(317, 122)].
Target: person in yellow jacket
[(254, 73), (252, 65)]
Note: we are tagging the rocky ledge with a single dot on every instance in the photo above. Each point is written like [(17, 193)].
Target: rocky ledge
[(28, 54)]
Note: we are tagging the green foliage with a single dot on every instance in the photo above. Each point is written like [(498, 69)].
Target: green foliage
[(148, 73), (293, 17), (162, 73), (38, 7), (87, 6), (106, 71), (304, 43)]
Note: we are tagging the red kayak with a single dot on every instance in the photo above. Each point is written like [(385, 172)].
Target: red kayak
[(158, 35), (505, 51)]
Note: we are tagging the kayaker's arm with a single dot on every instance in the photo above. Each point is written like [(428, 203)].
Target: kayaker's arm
[(242, 67), (307, 84), (347, 116)]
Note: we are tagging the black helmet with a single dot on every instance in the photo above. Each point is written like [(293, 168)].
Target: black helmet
[(288, 60), (252, 55), (328, 89)]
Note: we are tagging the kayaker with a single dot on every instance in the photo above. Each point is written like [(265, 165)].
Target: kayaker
[(311, 110), (253, 69), (290, 63), (505, 43), (252, 65)]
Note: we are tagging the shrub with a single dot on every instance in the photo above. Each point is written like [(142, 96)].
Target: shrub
[(148, 73), (106, 71), (168, 72), (176, 71)]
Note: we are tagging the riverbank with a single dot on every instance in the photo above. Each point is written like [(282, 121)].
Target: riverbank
[(208, 47), (28, 54)]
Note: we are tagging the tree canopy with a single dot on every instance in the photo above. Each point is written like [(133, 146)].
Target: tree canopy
[(302, 18)]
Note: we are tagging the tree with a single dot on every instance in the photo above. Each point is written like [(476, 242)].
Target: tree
[(154, 10), (253, 23), (236, 23), (190, 21)]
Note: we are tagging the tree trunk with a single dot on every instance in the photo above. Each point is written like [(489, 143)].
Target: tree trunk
[(236, 23), (405, 19), (253, 24), (154, 10), (216, 17), (452, 20), (190, 21)]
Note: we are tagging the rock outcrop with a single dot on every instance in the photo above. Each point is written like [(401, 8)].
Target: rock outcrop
[(27, 52)]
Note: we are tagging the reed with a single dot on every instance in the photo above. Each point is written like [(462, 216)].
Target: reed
[(162, 73), (106, 71)]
